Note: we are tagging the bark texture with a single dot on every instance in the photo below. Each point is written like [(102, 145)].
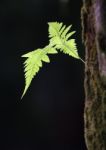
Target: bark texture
[(94, 38)]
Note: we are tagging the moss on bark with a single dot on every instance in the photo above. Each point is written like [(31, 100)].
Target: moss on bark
[(95, 86)]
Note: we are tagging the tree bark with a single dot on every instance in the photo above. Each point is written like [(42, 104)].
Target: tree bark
[(94, 38)]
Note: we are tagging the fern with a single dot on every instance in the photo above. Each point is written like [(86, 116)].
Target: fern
[(34, 63), (59, 36), (60, 39)]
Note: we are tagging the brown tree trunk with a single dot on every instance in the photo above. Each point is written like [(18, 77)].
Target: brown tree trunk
[(94, 37)]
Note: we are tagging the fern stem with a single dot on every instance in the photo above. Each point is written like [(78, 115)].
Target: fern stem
[(82, 60)]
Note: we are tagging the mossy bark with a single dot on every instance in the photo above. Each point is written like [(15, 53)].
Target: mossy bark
[(94, 37)]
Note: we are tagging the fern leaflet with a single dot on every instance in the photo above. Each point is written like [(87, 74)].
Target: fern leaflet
[(34, 63), (60, 39)]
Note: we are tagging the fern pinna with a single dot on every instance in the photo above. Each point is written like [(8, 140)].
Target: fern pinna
[(59, 36)]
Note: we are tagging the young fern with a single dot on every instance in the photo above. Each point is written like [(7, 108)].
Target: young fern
[(34, 63), (59, 40)]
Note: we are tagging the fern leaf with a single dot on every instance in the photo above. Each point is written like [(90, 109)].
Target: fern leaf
[(33, 63), (60, 38), (45, 58), (69, 35)]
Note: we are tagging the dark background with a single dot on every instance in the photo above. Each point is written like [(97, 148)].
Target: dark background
[(50, 116)]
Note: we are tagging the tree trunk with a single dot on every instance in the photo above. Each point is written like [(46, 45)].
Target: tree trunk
[(94, 38)]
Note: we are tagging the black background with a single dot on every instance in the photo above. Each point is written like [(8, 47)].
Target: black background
[(50, 116)]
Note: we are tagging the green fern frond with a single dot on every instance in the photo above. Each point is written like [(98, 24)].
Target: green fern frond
[(60, 38), (34, 62)]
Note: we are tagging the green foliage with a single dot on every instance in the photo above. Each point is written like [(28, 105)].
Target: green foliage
[(59, 36), (60, 39), (34, 62)]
